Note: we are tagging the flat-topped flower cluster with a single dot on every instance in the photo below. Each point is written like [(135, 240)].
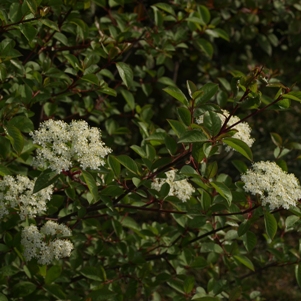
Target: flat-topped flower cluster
[(16, 193), (243, 129), (46, 245), (274, 186), (63, 145), (181, 188)]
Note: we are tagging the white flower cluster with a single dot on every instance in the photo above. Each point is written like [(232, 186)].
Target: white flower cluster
[(181, 189), (16, 193), (41, 245), (64, 144), (275, 187), (243, 128)]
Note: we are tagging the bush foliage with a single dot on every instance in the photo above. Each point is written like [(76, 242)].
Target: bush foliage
[(156, 79)]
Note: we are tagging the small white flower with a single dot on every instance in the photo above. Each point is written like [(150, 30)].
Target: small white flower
[(44, 245), (243, 129), (181, 189), (17, 193), (62, 145), (274, 186)]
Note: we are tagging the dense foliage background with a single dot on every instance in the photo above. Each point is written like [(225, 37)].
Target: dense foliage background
[(143, 72)]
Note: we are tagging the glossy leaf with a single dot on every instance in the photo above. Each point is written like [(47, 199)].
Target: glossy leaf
[(193, 136), (239, 146), (270, 224), (245, 261), (125, 73), (45, 179), (91, 183), (223, 190), (176, 93)]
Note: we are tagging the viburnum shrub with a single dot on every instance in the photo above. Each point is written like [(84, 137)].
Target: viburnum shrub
[(150, 150)]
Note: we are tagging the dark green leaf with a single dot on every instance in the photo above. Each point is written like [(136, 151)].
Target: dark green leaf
[(223, 190), (46, 178), (16, 137), (114, 165), (177, 127), (206, 47), (193, 136), (209, 90), (91, 183), (249, 240), (177, 94), (270, 224), (212, 122), (185, 115), (166, 7), (91, 78), (239, 146), (245, 261), (53, 273), (298, 274), (191, 87), (128, 163), (24, 288), (125, 73)]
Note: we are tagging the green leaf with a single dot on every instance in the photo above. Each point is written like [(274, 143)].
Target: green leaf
[(243, 227), (188, 284), (102, 294), (294, 95), (206, 47), (24, 288), (222, 34), (23, 123), (4, 171), (185, 115), (90, 181), (53, 273), (277, 140), (191, 87), (128, 163), (28, 31), (125, 73), (249, 240), (177, 127), (240, 166), (291, 220), (205, 13), (171, 144), (177, 94), (55, 290), (223, 190), (209, 90), (93, 273), (212, 122), (298, 274), (245, 261), (270, 224), (16, 138), (114, 165), (264, 44), (166, 7), (207, 298), (50, 24), (239, 146), (193, 136), (91, 78), (128, 96), (32, 5), (46, 178), (3, 297), (130, 223)]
